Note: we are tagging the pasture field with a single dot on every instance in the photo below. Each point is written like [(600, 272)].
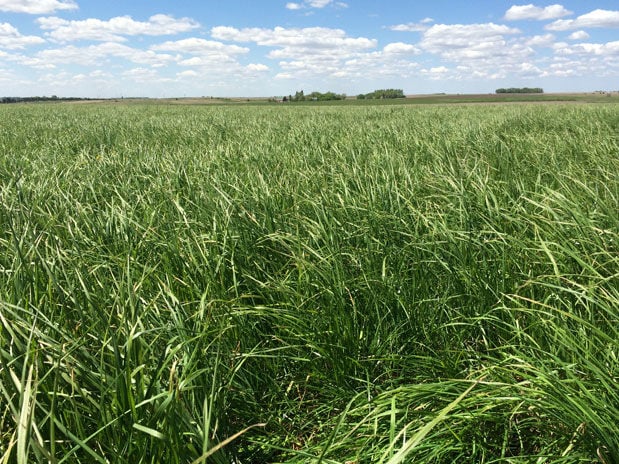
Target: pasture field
[(329, 284)]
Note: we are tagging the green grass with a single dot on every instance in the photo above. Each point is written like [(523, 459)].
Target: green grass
[(362, 284)]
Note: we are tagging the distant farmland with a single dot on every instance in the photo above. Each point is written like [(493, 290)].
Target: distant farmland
[(351, 283)]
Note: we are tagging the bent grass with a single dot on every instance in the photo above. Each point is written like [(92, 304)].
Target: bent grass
[(325, 284)]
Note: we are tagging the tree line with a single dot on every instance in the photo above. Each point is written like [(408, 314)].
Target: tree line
[(38, 99), (521, 90), (382, 94), (314, 96), (300, 95)]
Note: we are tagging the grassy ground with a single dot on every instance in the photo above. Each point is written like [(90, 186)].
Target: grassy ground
[(363, 284)]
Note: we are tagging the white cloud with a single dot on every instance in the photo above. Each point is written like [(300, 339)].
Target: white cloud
[(196, 46), (468, 41), (36, 6), (440, 70), (391, 62), (114, 29), (189, 73), (596, 18), (326, 53), (315, 4), (319, 3), (590, 60), (436, 72), (97, 75), (99, 54), (211, 58), (209, 61), (144, 75), (32, 62), (605, 49), (481, 51), (546, 40), (578, 35), (257, 67), (293, 43), (400, 48), (421, 26), (11, 39), (530, 11)]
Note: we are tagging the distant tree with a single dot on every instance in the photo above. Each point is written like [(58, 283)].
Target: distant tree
[(317, 96), (385, 93), (521, 90), (299, 96), (37, 99)]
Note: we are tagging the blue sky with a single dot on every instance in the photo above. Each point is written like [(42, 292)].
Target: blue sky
[(163, 48)]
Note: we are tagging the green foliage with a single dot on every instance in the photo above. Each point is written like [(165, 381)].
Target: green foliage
[(317, 96), (38, 99), (521, 90), (309, 284), (384, 93)]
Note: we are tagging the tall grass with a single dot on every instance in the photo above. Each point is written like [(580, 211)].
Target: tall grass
[(295, 284)]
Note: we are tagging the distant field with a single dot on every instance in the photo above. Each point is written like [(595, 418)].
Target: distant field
[(432, 99), (351, 283), (606, 98)]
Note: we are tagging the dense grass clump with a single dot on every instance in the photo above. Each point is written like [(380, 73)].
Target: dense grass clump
[(294, 284)]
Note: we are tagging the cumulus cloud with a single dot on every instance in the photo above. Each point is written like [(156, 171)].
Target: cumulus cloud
[(114, 29), (546, 40), (144, 75), (400, 48), (530, 11), (421, 26), (600, 49), (480, 51), (596, 18), (326, 52), (63, 78), (468, 41), (436, 73), (579, 35), (393, 61), (197, 46), (100, 53), (187, 73), (36, 6), (293, 42), (11, 39), (257, 67), (210, 58)]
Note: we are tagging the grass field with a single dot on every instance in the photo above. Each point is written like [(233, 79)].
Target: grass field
[(335, 284)]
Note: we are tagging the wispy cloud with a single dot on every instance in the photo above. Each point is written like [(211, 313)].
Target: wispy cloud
[(315, 4), (420, 26)]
